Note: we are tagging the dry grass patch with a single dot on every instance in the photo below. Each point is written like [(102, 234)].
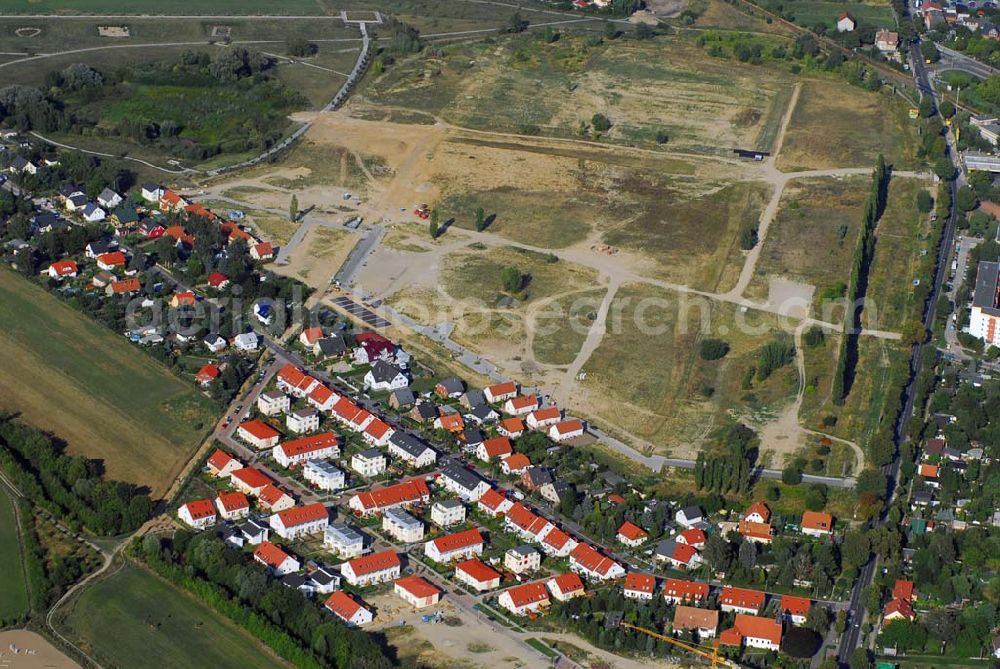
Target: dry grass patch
[(837, 125), (814, 214)]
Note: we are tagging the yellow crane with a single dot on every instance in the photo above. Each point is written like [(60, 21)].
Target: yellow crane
[(710, 653)]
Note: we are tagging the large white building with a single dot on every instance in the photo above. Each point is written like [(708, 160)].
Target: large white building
[(344, 540), (324, 475), (402, 526), (984, 321), (368, 463)]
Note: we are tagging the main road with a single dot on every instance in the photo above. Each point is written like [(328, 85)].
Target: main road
[(852, 637)]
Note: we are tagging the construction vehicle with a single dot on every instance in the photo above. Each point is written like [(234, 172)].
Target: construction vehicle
[(423, 211), (710, 653)]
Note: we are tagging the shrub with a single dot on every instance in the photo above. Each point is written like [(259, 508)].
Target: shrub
[(713, 349)]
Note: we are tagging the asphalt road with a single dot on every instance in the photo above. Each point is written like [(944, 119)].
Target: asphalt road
[(954, 60), (852, 637)]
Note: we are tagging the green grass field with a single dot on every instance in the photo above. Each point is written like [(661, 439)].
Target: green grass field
[(810, 13), (133, 619), (87, 385), (13, 589), (159, 7)]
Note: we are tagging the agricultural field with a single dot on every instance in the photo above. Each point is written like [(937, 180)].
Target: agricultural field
[(814, 214), (133, 616), (651, 381), (658, 94), (175, 7), (837, 125), (13, 587), (810, 13), (52, 35), (83, 383)]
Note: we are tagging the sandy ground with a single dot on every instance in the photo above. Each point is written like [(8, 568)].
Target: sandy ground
[(427, 163), (34, 652)]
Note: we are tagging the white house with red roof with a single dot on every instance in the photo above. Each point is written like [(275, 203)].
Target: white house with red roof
[(458, 546), (63, 269), (274, 499), (249, 480), (511, 427), (310, 336), (405, 493), (639, 586), (693, 537), (494, 447), (278, 561), (209, 372), (371, 569), (217, 280), (567, 429), (519, 406), (680, 591), (542, 418), (417, 591), (377, 432), (515, 464), (493, 503), (500, 392), (199, 513), (222, 464), (293, 380), (586, 561), (566, 586), (297, 451), (111, 261), (631, 534), (758, 512), (741, 600), (258, 434), (262, 251), (558, 543), (795, 609), (345, 607), (232, 505), (526, 523), (749, 630), (322, 398), (300, 521), (680, 556), (524, 599), (477, 574)]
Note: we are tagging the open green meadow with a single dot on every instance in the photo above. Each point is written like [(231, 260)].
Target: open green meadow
[(90, 387), (134, 619), (13, 588), (810, 13)]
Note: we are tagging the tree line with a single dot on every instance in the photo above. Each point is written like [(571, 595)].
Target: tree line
[(71, 487), (864, 252), (728, 465)]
